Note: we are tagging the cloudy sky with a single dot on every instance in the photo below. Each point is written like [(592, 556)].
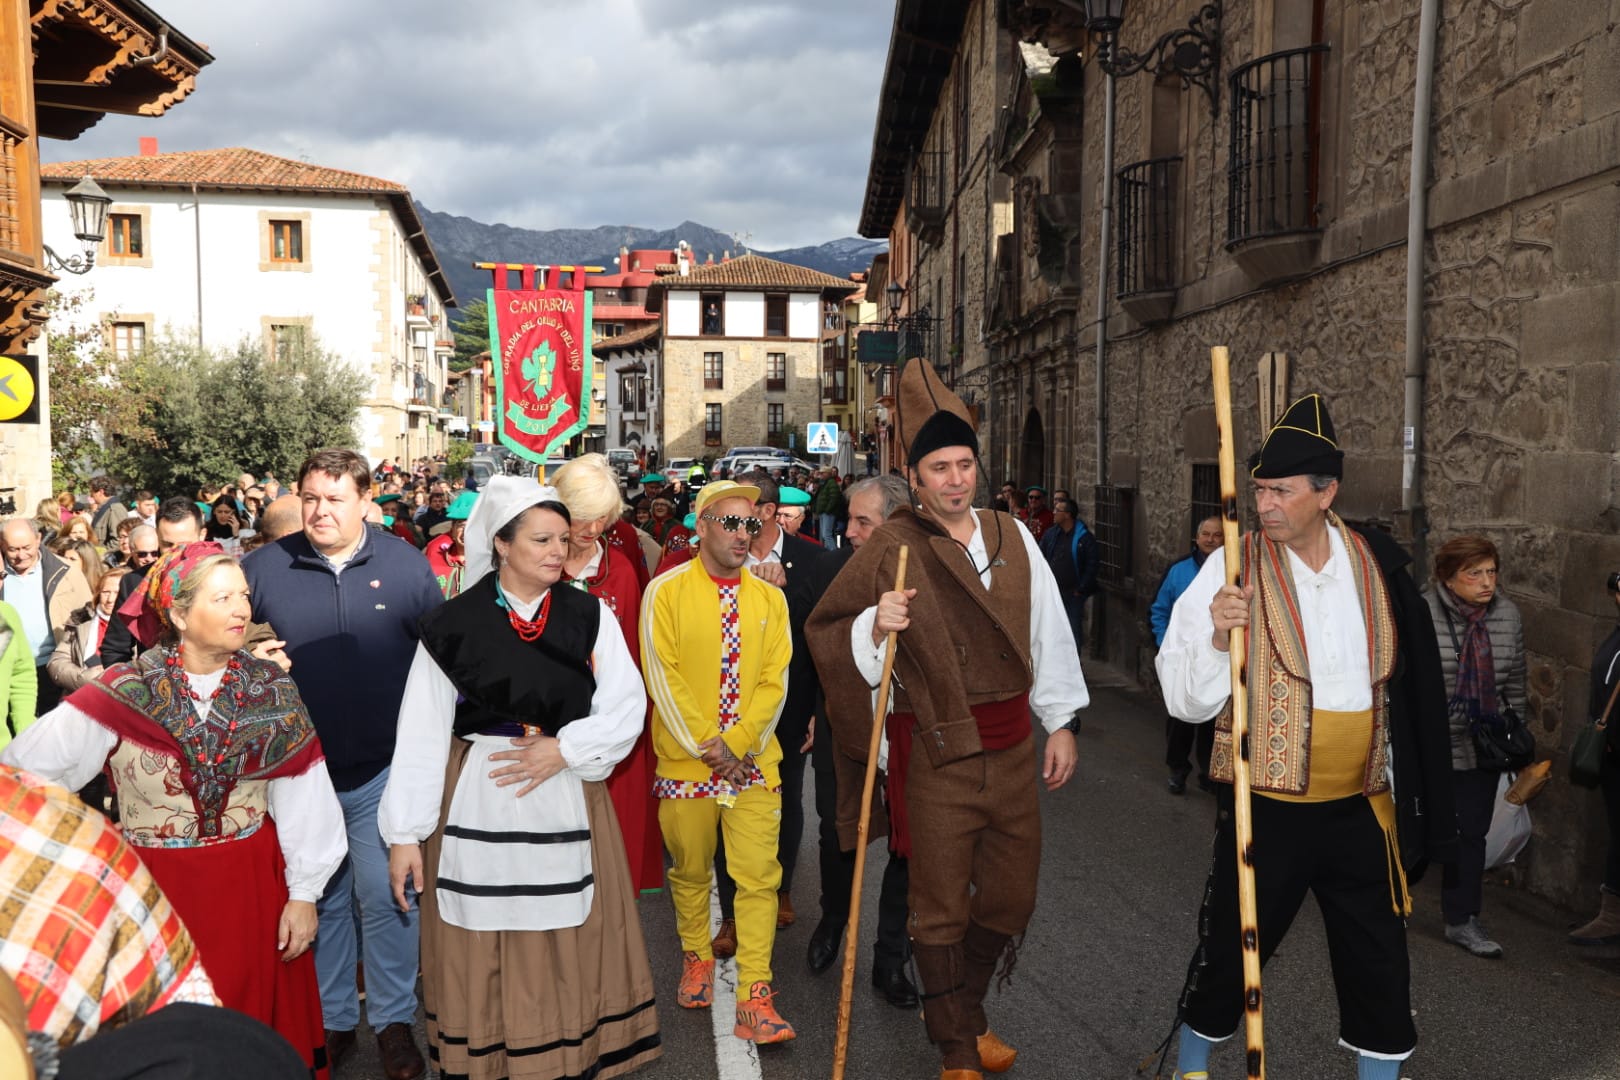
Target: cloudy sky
[(744, 115)]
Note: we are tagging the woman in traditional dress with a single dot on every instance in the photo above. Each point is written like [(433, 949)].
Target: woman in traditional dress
[(521, 700), (221, 784), (588, 487)]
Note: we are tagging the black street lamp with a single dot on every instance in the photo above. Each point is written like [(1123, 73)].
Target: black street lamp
[(87, 203), (895, 294), (1194, 53)]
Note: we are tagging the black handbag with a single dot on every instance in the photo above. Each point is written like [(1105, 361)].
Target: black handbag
[(1586, 756), (1503, 746), (1500, 745)]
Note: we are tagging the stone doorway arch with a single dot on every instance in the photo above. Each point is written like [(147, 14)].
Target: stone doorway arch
[(1032, 451)]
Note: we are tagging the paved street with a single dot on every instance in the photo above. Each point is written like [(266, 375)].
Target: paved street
[(1096, 984)]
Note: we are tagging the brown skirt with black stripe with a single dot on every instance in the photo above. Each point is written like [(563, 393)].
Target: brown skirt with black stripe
[(533, 1005)]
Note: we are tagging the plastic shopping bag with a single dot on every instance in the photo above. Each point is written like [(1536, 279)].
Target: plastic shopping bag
[(1510, 828)]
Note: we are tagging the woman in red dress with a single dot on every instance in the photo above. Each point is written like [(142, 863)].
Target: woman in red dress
[(589, 488), (222, 786)]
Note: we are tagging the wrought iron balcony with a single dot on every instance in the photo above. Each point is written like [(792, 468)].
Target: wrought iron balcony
[(925, 187), (1147, 238), (1273, 196)]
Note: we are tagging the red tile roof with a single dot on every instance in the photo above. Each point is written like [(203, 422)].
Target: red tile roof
[(233, 167), (240, 169), (629, 340), (748, 272)]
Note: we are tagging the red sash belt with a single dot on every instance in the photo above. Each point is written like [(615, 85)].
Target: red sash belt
[(1002, 725)]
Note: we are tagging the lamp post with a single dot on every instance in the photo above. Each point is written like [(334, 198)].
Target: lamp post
[(1192, 52), (87, 204), (895, 294)]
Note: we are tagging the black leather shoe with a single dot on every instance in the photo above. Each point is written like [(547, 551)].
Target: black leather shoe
[(823, 948), (1178, 783), (896, 987)]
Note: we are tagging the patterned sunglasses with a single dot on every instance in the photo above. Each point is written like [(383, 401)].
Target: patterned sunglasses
[(732, 522)]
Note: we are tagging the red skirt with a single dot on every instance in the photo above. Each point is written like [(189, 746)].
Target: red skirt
[(230, 897), (630, 786)]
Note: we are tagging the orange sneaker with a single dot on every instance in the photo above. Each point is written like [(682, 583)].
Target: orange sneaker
[(697, 984), (757, 1019), (994, 1055)]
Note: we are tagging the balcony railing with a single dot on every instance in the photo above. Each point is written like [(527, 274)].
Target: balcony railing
[(925, 187), (1272, 172), (1147, 203), (13, 145)]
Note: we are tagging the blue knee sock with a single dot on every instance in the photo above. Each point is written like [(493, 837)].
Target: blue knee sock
[(1371, 1068), (1192, 1054)]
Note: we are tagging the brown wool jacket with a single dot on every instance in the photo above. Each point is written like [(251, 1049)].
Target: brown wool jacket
[(965, 646)]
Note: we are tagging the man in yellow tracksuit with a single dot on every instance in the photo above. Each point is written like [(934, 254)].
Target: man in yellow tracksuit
[(715, 647)]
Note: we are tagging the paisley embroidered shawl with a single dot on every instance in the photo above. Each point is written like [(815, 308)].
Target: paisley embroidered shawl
[(144, 704), (1279, 677)]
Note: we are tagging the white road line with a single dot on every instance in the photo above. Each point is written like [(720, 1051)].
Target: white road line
[(736, 1059)]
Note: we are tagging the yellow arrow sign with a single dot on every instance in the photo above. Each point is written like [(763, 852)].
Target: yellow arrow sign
[(17, 389)]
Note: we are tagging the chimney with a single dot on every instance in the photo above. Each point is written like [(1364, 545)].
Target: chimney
[(149, 146), (725, 256)]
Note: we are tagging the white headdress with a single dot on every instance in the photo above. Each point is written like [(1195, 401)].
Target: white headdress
[(500, 500)]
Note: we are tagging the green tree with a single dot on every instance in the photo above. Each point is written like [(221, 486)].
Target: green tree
[(98, 403), (216, 415), (472, 334), (456, 457)]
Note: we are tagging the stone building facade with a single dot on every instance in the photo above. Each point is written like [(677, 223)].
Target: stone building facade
[(740, 353), (1302, 253)]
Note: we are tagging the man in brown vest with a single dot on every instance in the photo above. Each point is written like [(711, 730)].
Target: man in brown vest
[(1343, 676), (983, 643)]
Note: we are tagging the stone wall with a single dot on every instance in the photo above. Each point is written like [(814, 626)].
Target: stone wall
[(1521, 409), (743, 395)]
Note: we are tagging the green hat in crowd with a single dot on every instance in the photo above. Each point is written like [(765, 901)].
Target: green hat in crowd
[(387, 497), (690, 521), (792, 496), (651, 478), (461, 509)]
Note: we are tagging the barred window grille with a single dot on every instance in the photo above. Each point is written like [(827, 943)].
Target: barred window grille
[(1206, 495), (1276, 121), (1147, 203), (1115, 511)]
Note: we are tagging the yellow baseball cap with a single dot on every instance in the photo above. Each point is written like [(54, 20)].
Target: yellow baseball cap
[(715, 490)]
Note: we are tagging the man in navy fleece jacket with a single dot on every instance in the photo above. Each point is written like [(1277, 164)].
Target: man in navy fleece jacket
[(346, 599)]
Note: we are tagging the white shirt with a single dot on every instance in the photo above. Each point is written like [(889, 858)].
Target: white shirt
[(591, 745), (773, 555), (1059, 690), (1197, 679), (68, 748)]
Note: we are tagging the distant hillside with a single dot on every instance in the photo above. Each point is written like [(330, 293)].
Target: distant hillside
[(461, 241)]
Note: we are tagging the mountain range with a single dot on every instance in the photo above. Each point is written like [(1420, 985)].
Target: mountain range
[(461, 241)]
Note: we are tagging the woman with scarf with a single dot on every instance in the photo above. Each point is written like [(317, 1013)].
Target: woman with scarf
[(587, 486), (1482, 651), (221, 783), (522, 699)]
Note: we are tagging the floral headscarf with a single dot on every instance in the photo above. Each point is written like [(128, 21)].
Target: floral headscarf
[(146, 612)]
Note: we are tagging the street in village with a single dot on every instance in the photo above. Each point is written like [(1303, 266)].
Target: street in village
[(1122, 872)]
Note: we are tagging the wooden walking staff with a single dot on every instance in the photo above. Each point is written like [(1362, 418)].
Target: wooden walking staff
[(847, 990), (1248, 919)]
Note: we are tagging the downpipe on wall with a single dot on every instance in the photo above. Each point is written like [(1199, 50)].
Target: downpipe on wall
[(1413, 514)]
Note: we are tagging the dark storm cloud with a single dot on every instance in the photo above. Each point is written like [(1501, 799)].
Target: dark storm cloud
[(742, 114)]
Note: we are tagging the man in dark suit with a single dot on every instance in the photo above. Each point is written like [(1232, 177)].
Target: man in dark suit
[(870, 502), (178, 522)]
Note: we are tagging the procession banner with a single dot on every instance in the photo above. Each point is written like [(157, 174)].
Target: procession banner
[(540, 339)]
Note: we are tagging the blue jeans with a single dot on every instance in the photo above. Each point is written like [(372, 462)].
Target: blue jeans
[(829, 530), (359, 891)]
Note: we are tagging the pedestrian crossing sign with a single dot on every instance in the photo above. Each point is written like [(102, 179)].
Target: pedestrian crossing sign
[(822, 438)]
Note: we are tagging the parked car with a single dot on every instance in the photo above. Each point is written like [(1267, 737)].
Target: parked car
[(482, 468), (623, 461), (677, 468)]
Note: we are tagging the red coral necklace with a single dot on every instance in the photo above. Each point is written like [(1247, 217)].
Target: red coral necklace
[(232, 680), (530, 629)]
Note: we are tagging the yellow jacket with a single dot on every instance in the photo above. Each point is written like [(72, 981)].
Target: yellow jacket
[(680, 657)]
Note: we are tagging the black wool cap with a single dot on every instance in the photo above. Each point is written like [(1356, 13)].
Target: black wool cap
[(1302, 443)]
